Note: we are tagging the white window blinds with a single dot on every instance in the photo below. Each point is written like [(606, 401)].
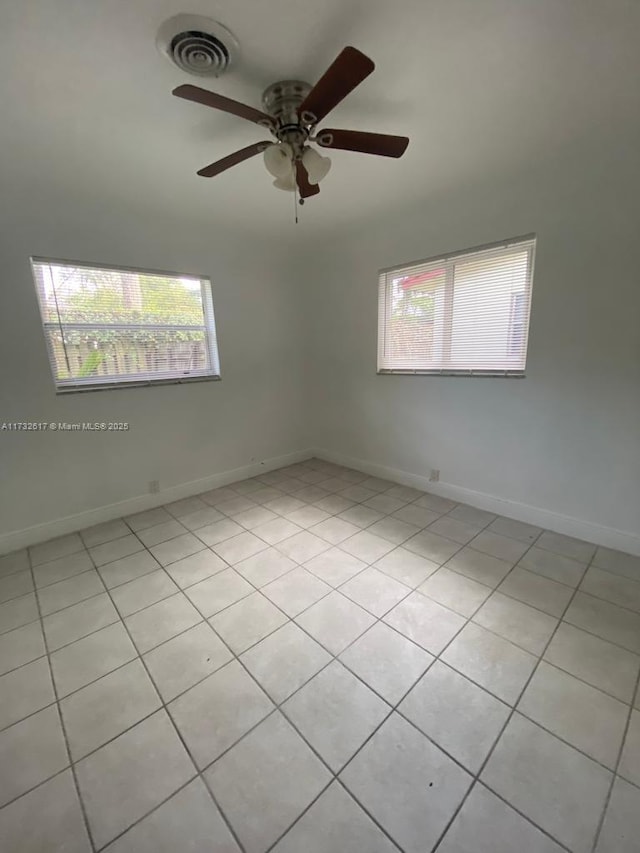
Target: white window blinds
[(108, 327), (465, 313)]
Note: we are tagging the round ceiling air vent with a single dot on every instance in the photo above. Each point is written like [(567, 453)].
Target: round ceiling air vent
[(198, 45)]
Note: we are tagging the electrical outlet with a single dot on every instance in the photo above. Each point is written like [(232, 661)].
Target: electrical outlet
[(434, 476), (154, 487)]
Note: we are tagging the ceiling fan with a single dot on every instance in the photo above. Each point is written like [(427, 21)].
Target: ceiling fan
[(292, 111)]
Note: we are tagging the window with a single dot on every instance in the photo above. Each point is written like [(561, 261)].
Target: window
[(109, 327), (466, 313)]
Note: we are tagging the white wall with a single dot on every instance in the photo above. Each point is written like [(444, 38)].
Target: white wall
[(178, 433), (567, 438)]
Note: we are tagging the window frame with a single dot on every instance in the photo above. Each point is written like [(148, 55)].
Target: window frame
[(447, 262), (141, 380)]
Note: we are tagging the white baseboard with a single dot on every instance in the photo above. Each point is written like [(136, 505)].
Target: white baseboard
[(17, 539), (609, 537)]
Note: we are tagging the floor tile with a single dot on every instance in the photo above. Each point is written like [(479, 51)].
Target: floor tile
[(394, 530), (386, 661), (485, 824), (18, 612), (455, 529), (334, 504), (357, 493), (479, 567), (148, 518), (335, 566), (215, 593), (296, 591), (621, 828), (266, 781), (128, 569), (285, 505), (140, 593), (605, 620), (16, 561), (472, 515), (186, 659), (161, 621), (526, 533), (335, 622), (195, 567), (630, 760), (175, 549), (599, 663), (409, 786), (275, 531), (218, 711), (250, 519), (361, 516), (214, 497), (551, 783), (59, 825), (239, 547), (308, 516), (21, 646), (335, 822), (460, 717), (335, 530), (125, 779), (377, 484), (62, 568), (160, 533), (405, 493), (498, 546), (71, 591), (566, 546), (248, 621), (436, 503), (219, 531), (366, 546), (490, 661), (547, 595), (425, 622), (455, 591), (612, 588), (104, 709), (236, 506), (385, 504), (54, 548), (34, 749), (303, 546), (419, 516), (79, 620), (266, 494), (433, 547), (586, 718), (24, 691), (335, 713), (183, 507), (85, 660), (189, 821), (105, 532), (115, 549), (525, 626), (16, 585), (617, 562), (554, 566), (201, 518), (284, 661), (406, 567), (375, 591), (264, 567)]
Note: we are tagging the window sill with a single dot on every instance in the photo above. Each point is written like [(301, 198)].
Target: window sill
[(469, 374), (134, 383)]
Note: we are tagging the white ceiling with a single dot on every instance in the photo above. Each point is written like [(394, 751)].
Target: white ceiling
[(478, 85)]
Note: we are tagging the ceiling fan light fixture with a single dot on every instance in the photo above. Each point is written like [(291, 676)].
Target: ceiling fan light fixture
[(286, 183), (278, 159), (316, 165)]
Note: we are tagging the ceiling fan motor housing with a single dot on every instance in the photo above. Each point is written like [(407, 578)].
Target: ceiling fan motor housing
[(198, 45)]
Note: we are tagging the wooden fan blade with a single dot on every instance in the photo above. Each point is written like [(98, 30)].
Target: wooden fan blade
[(219, 102), (233, 159), (305, 188), (367, 143), (347, 71)]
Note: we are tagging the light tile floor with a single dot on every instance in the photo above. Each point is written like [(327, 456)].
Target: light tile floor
[(319, 661)]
